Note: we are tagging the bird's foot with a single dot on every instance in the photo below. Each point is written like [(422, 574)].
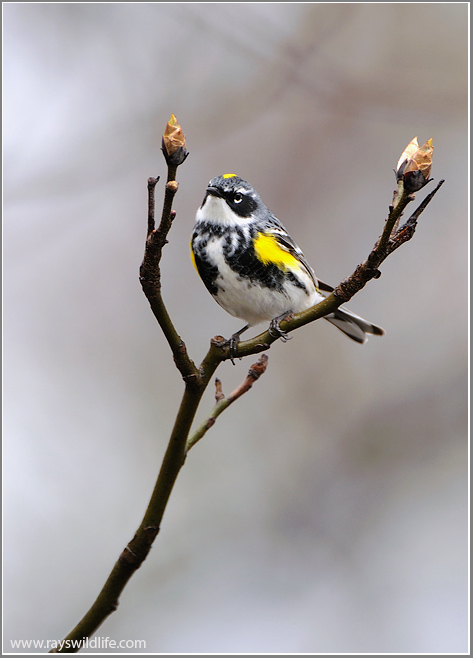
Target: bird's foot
[(275, 330), (232, 343)]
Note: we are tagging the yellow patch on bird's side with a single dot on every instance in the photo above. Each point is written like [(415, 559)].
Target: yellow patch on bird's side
[(193, 258), (229, 176), (268, 251)]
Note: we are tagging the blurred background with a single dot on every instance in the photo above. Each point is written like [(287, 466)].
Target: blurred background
[(326, 511)]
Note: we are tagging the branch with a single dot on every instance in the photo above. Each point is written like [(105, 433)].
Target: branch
[(412, 175), (150, 271), (138, 548), (383, 248), (366, 271), (254, 373)]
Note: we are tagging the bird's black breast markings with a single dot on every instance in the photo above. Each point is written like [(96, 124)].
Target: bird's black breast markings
[(232, 243), (240, 257), (243, 261), (210, 230), (207, 271)]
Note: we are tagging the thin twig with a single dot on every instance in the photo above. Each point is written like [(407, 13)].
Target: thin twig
[(407, 230), (150, 275), (395, 212), (152, 182), (254, 373)]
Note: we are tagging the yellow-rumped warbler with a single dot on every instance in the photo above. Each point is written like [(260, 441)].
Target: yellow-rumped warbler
[(252, 267)]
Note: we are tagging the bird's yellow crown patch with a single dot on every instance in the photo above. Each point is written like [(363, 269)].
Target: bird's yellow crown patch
[(229, 176)]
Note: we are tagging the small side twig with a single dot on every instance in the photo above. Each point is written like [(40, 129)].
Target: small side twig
[(254, 373), (395, 212), (152, 182), (150, 270), (369, 269), (407, 230)]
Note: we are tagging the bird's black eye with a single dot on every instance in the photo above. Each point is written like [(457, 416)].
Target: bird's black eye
[(237, 197)]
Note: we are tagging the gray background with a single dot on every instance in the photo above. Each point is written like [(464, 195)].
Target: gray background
[(327, 510)]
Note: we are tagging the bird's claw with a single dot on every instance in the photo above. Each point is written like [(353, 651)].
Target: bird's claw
[(233, 345), (275, 330)]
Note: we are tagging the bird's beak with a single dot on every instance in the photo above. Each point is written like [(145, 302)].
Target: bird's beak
[(214, 191)]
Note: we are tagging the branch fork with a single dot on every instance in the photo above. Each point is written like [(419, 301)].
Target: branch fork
[(412, 174)]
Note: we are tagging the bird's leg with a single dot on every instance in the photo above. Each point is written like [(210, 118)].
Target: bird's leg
[(275, 330), (234, 340)]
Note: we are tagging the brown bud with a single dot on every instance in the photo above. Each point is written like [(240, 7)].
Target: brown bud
[(174, 143), (172, 186), (407, 154), (414, 165)]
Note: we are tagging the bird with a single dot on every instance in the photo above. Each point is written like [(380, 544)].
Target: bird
[(253, 268)]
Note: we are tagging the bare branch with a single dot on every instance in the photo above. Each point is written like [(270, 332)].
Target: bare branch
[(150, 271), (254, 373), (413, 172), (407, 230), (138, 548)]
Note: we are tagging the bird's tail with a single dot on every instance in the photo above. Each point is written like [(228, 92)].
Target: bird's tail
[(352, 325)]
